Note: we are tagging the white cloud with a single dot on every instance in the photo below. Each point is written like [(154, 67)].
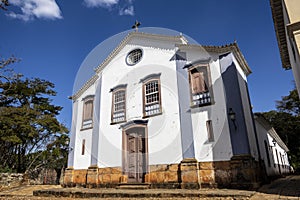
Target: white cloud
[(31, 9), (127, 11), (124, 7), (101, 3)]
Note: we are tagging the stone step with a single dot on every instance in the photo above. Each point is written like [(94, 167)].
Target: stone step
[(133, 186)]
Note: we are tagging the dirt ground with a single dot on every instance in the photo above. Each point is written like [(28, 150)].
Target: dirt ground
[(283, 188)]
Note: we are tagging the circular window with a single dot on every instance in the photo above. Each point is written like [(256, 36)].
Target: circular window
[(134, 56)]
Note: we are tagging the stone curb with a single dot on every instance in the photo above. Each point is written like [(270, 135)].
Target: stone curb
[(151, 193)]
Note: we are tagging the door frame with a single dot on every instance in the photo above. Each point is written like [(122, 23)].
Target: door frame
[(125, 130)]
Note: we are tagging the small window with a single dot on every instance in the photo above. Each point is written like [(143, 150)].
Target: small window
[(83, 147), (88, 106), (134, 56), (118, 106), (210, 133), (152, 97), (200, 86)]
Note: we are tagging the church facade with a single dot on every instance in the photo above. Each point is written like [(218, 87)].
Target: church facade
[(163, 112)]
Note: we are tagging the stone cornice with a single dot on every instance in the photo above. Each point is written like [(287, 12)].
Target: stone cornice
[(88, 84)]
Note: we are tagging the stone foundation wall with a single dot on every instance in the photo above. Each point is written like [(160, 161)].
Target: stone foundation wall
[(93, 177), (163, 176), (10, 180), (239, 172)]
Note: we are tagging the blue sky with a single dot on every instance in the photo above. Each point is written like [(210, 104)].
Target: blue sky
[(52, 38)]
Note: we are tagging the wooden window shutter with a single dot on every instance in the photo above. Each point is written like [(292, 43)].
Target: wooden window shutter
[(88, 112), (198, 82)]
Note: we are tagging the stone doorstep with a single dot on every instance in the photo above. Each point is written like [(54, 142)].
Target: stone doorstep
[(133, 186), (151, 193)]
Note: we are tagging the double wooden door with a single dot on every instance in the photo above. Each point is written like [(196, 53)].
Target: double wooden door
[(135, 155)]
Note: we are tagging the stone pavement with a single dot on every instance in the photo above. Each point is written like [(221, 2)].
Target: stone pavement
[(283, 188)]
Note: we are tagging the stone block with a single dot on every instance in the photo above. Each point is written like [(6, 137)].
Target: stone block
[(154, 168), (124, 179), (106, 170), (68, 177), (80, 177), (100, 170), (171, 176), (153, 177), (223, 165), (115, 178), (116, 170), (100, 178), (189, 177), (206, 165), (147, 178), (160, 177), (92, 176), (189, 165), (173, 167), (106, 178), (207, 176)]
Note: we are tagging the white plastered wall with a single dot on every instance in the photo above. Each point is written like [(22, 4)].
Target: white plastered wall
[(220, 149), (82, 161), (163, 130)]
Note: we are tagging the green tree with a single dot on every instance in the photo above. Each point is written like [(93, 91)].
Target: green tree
[(4, 4), (286, 121), (30, 133)]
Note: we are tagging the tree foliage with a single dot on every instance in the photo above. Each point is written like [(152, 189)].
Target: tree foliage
[(286, 121), (31, 137), (4, 4)]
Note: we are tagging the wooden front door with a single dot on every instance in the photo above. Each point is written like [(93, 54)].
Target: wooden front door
[(135, 155)]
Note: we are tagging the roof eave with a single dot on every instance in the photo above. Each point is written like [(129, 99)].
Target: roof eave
[(279, 25), (233, 47)]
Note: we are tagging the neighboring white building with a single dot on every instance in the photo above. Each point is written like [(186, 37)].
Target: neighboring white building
[(272, 148), (161, 111)]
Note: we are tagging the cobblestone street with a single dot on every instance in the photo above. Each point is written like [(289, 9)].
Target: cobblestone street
[(283, 188)]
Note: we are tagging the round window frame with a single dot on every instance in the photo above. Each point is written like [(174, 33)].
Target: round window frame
[(130, 52)]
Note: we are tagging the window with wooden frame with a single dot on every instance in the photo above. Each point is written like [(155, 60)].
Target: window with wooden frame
[(118, 111), (210, 133), (200, 86), (152, 97), (88, 107)]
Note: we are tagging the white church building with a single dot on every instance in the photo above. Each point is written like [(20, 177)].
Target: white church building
[(166, 113)]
